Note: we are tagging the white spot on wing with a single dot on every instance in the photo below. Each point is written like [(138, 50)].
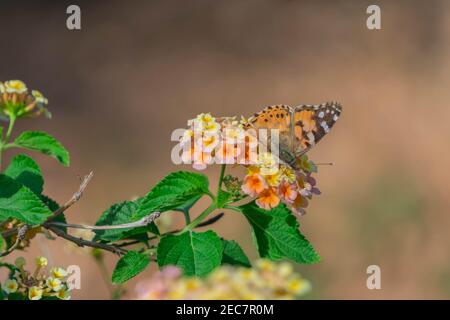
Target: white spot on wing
[(325, 127), (311, 138)]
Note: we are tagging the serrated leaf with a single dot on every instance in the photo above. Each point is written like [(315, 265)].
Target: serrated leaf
[(277, 235), (25, 170), (129, 266), (44, 143), (233, 254), (121, 213), (196, 253), (17, 201), (177, 190)]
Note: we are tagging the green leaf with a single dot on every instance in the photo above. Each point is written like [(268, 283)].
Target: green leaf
[(129, 266), (44, 143), (17, 201), (277, 235), (26, 171), (177, 190), (53, 206), (233, 254), (119, 214), (223, 198), (194, 252)]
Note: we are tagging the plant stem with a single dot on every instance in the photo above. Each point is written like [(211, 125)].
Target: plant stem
[(200, 218), (222, 174), (187, 217), (4, 142), (234, 208), (12, 121)]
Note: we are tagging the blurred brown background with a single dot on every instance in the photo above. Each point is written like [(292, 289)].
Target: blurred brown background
[(139, 69)]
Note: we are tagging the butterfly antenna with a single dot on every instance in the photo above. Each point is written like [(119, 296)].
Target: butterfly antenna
[(324, 164)]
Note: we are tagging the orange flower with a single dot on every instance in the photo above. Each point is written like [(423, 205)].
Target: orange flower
[(253, 184), (268, 199), (227, 153), (288, 192)]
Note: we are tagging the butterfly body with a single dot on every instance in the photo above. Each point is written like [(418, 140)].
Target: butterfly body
[(300, 128)]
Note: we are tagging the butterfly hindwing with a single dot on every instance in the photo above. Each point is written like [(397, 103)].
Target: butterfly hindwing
[(312, 123)]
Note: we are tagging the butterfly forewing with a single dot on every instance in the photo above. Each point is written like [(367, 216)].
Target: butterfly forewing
[(276, 117)]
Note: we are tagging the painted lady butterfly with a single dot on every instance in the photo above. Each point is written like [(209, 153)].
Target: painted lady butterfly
[(300, 128)]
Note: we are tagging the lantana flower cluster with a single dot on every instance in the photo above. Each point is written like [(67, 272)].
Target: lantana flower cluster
[(209, 140), (22, 284), (229, 141), (17, 101), (267, 280), (272, 183)]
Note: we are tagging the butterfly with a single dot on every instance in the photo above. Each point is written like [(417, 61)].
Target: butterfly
[(300, 128)]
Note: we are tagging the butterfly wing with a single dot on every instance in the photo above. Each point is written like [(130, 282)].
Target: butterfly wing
[(312, 123), (277, 117)]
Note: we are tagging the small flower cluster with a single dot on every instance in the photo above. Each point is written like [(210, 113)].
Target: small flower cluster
[(271, 183), (16, 101), (209, 140), (267, 280), (36, 286)]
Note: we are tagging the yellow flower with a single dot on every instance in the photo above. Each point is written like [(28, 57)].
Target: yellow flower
[(15, 86), (2, 87), (58, 273), (287, 174), (273, 180), (20, 262), (63, 294), (187, 137), (285, 269), (298, 286), (54, 284), (267, 163), (220, 275), (11, 286), (206, 117), (211, 127), (265, 265), (39, 97), (210, 141), (35, 293), (193, 283), (41, 262)]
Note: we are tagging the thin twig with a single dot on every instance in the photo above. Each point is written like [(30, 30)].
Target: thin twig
[(75, 197), (201, 224), (20, 236), (85, 243), (140, 223)]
